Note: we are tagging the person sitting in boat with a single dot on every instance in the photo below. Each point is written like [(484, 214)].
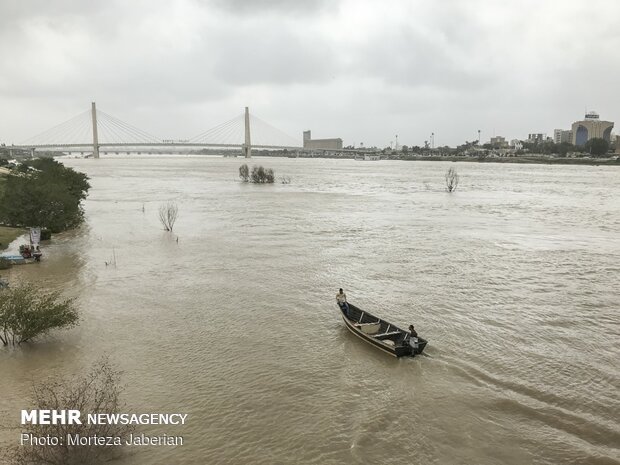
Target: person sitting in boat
[(341, 298), (26, 253), (413, 337)]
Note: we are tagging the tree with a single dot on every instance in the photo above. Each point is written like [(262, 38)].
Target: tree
[(452, 180), (261, 175), (45, 194), (97, 392), (168, 213), (564, 148), (548, 147), (76, 183), (597, 146), (258, 175), (26, 313), (244, 172)]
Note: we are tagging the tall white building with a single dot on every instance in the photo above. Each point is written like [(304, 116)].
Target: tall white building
[(561, 135)]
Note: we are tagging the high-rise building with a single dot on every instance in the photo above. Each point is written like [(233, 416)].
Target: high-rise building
[(591, 127), (535, 138), (560, 135)]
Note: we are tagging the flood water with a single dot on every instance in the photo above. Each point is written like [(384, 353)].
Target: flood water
[(513, 279)]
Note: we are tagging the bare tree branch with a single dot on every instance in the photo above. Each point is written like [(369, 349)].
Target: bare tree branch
[(452, 180), (168, 213)]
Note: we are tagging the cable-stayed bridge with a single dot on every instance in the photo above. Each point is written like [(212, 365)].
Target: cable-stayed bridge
[(95, 130)]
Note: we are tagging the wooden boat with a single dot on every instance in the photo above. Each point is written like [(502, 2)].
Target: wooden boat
[(19, 259), (380, 333)]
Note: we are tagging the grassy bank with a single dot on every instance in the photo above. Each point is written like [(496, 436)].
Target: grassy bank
[(8, 235)]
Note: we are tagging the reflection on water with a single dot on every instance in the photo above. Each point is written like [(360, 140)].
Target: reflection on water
[(513, 279)]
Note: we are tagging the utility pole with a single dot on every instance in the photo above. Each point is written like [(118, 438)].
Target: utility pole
[(95, 136), (478, 136)]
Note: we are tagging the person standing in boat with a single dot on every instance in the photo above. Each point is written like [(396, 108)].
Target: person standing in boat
[(341, 298), (413, 337)]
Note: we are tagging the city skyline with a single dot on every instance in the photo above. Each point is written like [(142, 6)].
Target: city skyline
[(356, 71)]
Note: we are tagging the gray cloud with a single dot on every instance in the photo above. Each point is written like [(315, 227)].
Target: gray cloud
[(262, 7), (363, 71), (278, 58), (407, 58)]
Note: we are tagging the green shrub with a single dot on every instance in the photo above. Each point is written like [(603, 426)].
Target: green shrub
[(244, 173), (5, 263), (258, 175), (261, 175), (26, 313)]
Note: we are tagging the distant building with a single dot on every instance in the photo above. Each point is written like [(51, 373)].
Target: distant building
[(617, 144), (560, 135), (331, 144), (591, 127), (536, 138), (499, 141), (516, 144)]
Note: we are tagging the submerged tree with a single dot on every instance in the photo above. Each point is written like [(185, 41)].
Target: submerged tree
[(168, 213), (244, 173), (97, 392), (452, 180), (258, 175), (261, 175), (26, 312)]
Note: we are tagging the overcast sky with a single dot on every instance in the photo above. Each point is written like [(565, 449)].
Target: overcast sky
[(361, 70)]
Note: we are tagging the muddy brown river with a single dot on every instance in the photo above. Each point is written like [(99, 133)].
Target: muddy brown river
[(513, 279)]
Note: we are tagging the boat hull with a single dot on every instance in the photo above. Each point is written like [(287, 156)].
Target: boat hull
[(18, 259), (397, 345)]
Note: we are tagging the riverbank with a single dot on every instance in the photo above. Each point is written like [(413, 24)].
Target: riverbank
[(8, 235), (541, 160)]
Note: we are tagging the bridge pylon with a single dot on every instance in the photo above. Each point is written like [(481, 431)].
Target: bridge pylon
[(95, 136), (246, 149)]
